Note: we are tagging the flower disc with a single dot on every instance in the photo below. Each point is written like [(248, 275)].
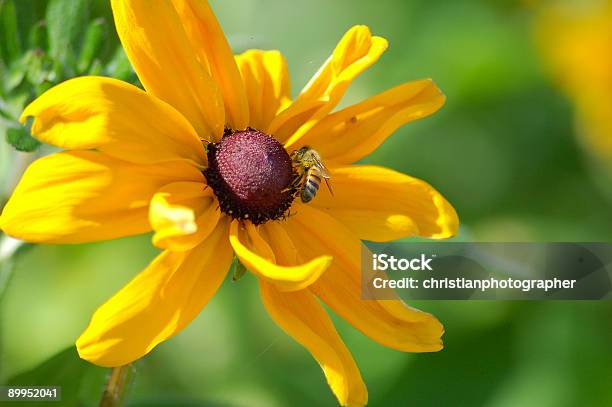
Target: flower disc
[(250, 173)]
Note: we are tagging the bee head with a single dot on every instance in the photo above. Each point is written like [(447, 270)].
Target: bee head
[(301, 152)]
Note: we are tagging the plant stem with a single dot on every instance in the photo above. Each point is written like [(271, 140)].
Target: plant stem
[(8, 247), (116, 388)]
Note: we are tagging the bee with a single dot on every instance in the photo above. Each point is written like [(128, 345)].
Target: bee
[(310, 171)]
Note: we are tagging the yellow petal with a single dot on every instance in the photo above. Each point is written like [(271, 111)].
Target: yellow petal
[(182, 215), (157, 303), (352, 133), (255, 253), (575, 39), (301, 316), (355, 52), (266, 80), (156, 44), (210, 45), (379, 204), (84, 196), (114, 117), (284, 250), (389, 322)]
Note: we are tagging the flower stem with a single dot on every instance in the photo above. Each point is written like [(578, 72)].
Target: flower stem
[(8, 247), (116, 388)]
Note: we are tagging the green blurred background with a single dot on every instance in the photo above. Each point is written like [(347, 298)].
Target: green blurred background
[(503, 150)]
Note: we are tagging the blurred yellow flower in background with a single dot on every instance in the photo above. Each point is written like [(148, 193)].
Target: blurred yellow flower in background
[(576, 39), (203, 158)]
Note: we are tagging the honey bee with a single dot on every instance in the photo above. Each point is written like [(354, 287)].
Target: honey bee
[(310, 171)]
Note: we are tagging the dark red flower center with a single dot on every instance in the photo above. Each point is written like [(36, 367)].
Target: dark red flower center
[(251, 175)]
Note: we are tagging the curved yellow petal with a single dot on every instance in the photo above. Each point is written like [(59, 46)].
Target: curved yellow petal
[(352, 133), (211, 46), (284, 250), (257, 256), (355, 52), (114, 117), (157, 303), (182, 215), (379, 204), (301, 316), (84, 196), (266, 80), (389, 322), (158, 47)]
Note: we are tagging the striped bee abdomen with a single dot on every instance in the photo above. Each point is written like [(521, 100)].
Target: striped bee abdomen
[(311, 186)]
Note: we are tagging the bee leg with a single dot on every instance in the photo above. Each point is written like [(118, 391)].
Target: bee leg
[(294, 184), (288, 215), (329, 187), (289, 188), (227, 132)]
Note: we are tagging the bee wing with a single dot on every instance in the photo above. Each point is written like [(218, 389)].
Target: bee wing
[(324, 173), (322, 168)]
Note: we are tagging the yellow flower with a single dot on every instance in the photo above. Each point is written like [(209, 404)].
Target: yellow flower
[(576, 39), (193, 159)]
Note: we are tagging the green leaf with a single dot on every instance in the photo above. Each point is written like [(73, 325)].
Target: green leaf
[(40, 68), (37, 37), (96, 68), (12, 106), (82, 383), (43, 87), (29, 12), (66, 20), (16, 72), (119, 67), (174, 400), (10, 45), (239, 270), (21, 139), (92, 44), (2, 75)]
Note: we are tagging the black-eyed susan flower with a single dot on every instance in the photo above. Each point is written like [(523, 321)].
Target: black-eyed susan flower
[(576, 40), (203, 157)]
